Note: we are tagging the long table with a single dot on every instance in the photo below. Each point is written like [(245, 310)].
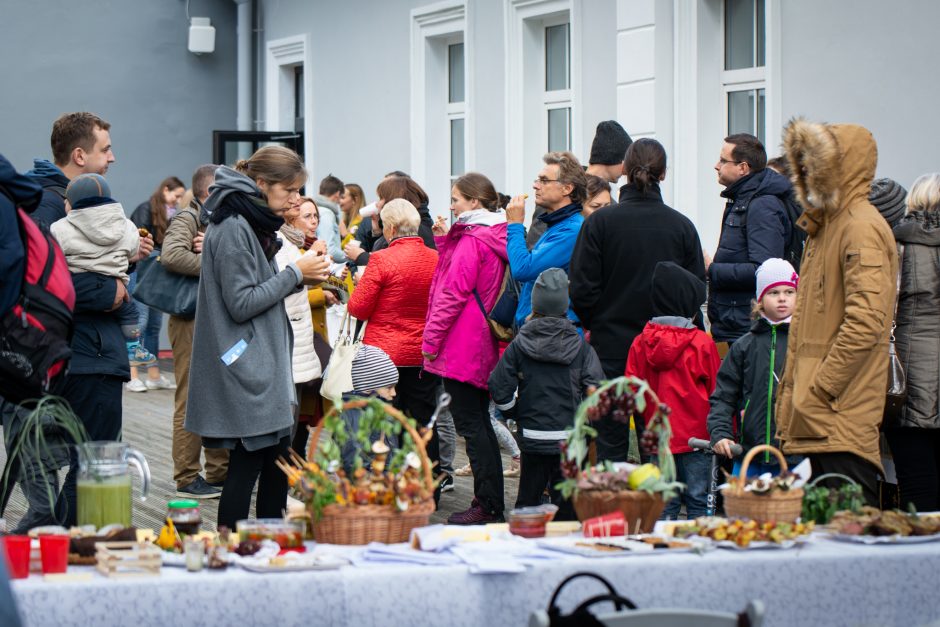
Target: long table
[(822, 583)]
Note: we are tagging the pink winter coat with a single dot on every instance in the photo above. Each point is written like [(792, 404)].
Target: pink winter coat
[(472, 255)]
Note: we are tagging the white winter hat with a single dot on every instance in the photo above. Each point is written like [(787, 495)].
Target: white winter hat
[(773, 273)]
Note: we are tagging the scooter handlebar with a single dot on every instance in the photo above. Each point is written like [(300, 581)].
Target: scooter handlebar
[(705, 445)]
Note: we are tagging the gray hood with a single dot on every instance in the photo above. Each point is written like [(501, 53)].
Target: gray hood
[(322, 202), (226, 181), (552, 340)]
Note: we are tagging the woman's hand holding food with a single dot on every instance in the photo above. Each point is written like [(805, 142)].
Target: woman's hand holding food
[(314, 268)]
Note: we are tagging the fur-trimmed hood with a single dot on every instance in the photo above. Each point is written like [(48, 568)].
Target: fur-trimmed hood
[(833, 166)]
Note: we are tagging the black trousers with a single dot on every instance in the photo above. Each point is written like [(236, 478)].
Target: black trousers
[(470, 407), (539, 472), (244, 469), (916, 455), (613, 438), (863, 472), (96, 400), (416, 396)]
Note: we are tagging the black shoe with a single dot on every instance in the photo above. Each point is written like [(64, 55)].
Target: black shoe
[(216, 484), (447, 484), (199, 489)]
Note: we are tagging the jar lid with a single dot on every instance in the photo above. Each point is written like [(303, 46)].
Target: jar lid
[(183, 504)]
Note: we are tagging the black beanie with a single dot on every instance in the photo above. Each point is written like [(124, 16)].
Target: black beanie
[(676, 291), (610, 144), (888, 196)]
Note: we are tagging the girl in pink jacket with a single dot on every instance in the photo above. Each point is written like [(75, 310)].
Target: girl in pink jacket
[(457, 343)]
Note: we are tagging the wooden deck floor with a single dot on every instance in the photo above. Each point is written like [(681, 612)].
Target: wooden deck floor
[(148, 420)]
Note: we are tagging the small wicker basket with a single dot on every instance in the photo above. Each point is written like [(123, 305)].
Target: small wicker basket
[(640, 509), (776, 506), (361, 524)]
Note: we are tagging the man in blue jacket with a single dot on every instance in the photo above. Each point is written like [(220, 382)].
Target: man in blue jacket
[(560, 188), (755, 227)]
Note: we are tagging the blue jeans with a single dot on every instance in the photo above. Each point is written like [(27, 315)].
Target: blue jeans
[(692, 469)]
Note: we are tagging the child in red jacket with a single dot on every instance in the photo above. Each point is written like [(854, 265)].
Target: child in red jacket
[(680, 362)]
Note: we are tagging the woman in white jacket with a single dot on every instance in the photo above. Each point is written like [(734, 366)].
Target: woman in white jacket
[(306, 366)]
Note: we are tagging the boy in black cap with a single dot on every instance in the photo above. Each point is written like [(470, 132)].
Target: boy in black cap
[(552, 367), (96, 236)]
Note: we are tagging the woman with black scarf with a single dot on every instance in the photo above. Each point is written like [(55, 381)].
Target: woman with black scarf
[(245, 398)]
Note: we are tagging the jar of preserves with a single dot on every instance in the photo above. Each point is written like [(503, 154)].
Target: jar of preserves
[(185, 516)]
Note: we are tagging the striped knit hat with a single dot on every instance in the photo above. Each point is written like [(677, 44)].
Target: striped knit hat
[(372, 369)]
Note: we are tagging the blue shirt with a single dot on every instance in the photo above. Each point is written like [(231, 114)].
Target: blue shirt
[(553, 250)]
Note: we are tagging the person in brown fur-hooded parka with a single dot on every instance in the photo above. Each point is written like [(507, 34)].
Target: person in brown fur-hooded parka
[(831, 399)]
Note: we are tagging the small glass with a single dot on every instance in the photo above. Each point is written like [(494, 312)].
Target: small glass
[(195, 551)]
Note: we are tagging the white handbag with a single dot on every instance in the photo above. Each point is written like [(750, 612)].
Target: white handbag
[(338, 376)]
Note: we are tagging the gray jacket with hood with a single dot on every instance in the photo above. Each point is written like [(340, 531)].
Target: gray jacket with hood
[(552, 367)]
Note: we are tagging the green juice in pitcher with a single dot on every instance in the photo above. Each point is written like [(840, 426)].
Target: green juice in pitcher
[(104, 502)]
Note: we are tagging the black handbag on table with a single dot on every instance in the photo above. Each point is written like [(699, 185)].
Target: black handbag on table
[(170, 292)]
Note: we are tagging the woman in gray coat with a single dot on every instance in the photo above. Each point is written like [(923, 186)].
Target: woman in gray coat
[(242, 341), (915, 437)]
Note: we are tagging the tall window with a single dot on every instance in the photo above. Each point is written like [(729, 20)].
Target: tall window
[(557, 93), (456, 109), (299, 98), (744, 76)]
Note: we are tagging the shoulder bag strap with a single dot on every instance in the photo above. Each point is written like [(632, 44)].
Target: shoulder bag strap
[(897, 293)]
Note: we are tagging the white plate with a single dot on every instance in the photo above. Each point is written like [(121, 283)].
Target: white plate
[(303, 561), (760, 545), (617, 546), (843, 537)]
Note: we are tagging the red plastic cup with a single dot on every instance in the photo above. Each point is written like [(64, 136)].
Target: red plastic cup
[(54, 553), (17, 550)]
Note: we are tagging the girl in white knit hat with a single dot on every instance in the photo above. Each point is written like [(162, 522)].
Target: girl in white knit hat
[(749, 375)]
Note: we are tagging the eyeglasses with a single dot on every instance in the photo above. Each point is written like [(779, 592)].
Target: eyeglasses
[(542, 180), (724, 161)]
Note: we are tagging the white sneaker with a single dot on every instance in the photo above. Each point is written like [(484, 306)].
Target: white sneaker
[(160, 384), (135, 385)]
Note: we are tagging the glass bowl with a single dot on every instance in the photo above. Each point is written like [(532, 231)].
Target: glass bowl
[(529, 522), (288, 534)]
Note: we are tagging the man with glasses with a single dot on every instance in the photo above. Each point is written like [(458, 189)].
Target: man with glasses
[(560, 188), (755, 227)]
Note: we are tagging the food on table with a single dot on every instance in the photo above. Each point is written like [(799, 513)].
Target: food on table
[(529, 522), (287, 534), (743, 532), (248, 547), (820, 503), (169, 539), (870, 521)]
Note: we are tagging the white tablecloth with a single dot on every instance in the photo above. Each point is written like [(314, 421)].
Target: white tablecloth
[(823, 583)]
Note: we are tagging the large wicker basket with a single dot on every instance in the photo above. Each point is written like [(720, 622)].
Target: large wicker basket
[(361, 524), (777, 506), (640, 509)]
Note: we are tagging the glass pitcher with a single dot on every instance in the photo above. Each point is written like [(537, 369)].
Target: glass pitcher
[(104, 483)]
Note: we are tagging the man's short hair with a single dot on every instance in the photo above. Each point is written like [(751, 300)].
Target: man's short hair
[(330, 185), (749, 150), (74, 130), (570, 172), (202, 179)]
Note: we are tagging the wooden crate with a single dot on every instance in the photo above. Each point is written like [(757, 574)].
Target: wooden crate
[(128, 559)]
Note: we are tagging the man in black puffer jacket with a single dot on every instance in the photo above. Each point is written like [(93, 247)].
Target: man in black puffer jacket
[(755, 227), (553, 368)]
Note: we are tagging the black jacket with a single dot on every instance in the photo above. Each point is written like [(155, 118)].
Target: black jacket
[(552, 367), (755, 227), (374, 243), (52, 206), (612, 265), (747, 381), (98, 345), (918, 319)]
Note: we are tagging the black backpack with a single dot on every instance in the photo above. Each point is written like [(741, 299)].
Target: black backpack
[(793, 250), (36, 331)]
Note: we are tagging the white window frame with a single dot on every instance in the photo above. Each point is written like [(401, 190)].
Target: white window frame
[(557, 98), (456, 110), (282, 55), (439, 24), (745, 79), (526, 102)]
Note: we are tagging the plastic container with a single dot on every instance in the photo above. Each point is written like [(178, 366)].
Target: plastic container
[(17, 550), (185, 516), (529, 522), (54, 553), (287, 534)]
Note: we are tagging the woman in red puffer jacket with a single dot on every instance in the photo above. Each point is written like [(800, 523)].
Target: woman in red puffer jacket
[(393, 297)]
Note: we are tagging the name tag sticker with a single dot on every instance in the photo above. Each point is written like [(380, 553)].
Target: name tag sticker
[(231, 355)]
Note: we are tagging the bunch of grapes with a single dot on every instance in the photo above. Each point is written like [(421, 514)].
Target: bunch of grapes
[(618, 406), (649, 440), (569, 467)]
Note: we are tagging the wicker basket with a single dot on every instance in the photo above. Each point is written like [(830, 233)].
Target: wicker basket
[(361, 524), (640, 509), (777, 506)]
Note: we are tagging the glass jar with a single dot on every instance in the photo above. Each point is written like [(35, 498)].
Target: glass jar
[(185, 516)]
